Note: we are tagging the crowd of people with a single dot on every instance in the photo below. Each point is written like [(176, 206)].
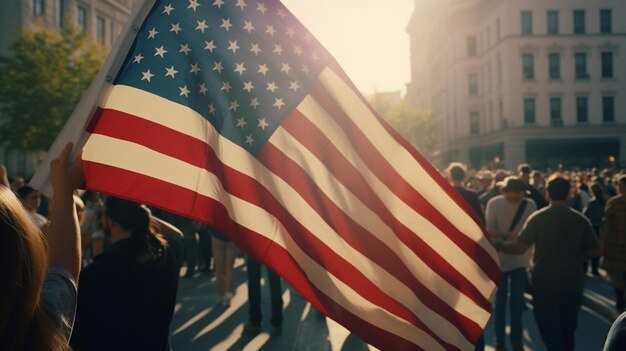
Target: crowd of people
[(80, 270)]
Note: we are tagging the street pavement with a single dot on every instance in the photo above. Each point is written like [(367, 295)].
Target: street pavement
[(200, 323)]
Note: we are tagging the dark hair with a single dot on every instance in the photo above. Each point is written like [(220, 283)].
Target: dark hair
[(456, 171), (558, 188), (135, 218), (596, 191), (524, 168), (24, 190)]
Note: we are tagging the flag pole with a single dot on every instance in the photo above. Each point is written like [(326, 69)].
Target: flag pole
[(75, 128)]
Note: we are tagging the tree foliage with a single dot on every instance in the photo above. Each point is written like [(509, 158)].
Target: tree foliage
[(416, 126), (42, 80)]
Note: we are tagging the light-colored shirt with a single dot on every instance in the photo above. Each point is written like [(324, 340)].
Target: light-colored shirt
[(58, 296)]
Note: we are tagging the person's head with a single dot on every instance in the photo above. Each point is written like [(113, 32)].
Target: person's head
[(596, 191), (486, 179), (127, 219), (537, 178), (456, 171), (17, 182), (523, 171), (31, 198), (558, 188), (512, 188), (24, 325)]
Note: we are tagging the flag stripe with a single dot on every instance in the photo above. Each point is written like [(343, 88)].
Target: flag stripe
[(164, 167), (130, 184)]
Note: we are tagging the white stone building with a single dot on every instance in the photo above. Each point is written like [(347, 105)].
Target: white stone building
[(538, 81)]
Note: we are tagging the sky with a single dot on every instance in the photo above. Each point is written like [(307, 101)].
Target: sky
[(367, 38)]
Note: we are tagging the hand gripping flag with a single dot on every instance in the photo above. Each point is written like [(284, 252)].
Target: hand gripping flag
[(231, 113)]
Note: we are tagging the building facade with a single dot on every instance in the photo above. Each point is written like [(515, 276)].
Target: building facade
[(538, 81), (104, 18)]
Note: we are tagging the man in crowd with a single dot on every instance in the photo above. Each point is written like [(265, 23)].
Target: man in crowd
[(524, 171), (613, 237)]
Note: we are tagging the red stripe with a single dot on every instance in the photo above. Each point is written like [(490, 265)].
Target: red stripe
[(154, 136), (175, 199), (362, 240), (399, 186)]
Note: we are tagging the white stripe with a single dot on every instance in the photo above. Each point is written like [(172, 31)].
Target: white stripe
[(356, 210), (133, 157)]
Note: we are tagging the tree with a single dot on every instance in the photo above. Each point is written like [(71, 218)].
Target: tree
[(416, 126), (42, 80)]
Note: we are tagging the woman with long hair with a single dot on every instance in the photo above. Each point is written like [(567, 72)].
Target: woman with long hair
[(38, 272), (127, 295)]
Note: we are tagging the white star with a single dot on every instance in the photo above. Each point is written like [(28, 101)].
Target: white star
[(314, 57), (254, 103), (202, 26), (193, 4), (226, 24), (305, 69), (233, 46), (209, 46), (249, 139), (218, 3), (184, 48), (241, 4), (248, 26), (263, 69), (203, 89), (272, 87), (278, 49), (308, 37), (184, 91), (152, 33), (211, 109), (147, 75), (171, 72), (294, 85), (278, 103), (247, 86), (233, 106), (255, 48), (175, 28), (290, 32), (225, 86), (297, 50), (240, 68), (241, 122), (262, 123), (160, 51), (195, 69), (285, 68), (218, 67), (261, 8), (167, 9), (281, 13), (138, 58), (270, 30)]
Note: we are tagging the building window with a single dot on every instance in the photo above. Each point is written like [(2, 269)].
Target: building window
[(528, 66), (100, 29), (582, 109), (555, 111), (554, 66), (472, 48), (38, 8), (527, 22), (81, 17), (473, 84), (608, 109), (581, 65), (529, 111), (474, 122), (607, 65), (60, 12), (605, 21), (553, 22), (579, 21)]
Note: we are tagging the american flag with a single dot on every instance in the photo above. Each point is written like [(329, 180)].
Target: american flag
[(232, 113)]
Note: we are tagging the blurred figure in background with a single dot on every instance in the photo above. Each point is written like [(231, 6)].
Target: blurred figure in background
[(224, 252), (595, 213), (613, 243), (31, 199)]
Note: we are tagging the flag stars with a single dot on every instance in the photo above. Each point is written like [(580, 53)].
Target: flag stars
[(195, 69), (281, 13), (167, 9), (160, 51), (193, 4), (241, 4), (254, 103), (226, 24), (290, 32), (210, 46), (175, 28), (298, 51), (240, 68), (233, 106), (218, 3), (305, 69), (152, 33), (248, 27), (314, 57), (261, 8), (254, 47), (263, 69), (285, 68), (218, 67), (294, 86), (247, 86), (241, 122), (147, 75), (184, 48), (171, 72), (270, 30), (272, 87), (211, 109), (262, 123), (308, 37), (278, 103), (278, 49), (233, 46), (203, 89), (225, 87), (202, 26), (138, 58), (249, 140), (184, 91)]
